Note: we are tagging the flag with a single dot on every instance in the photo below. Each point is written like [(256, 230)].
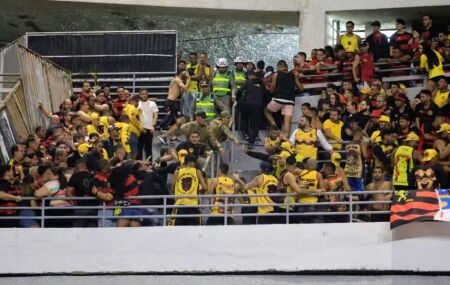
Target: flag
[(413, 206), (444, 203)]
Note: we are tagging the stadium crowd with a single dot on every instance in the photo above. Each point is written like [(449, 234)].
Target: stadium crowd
[(361, 136)]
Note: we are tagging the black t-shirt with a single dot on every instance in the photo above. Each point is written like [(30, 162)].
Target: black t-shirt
[(92, 160), (82, 183), (5, 186), (195, 149), (426, 115), (396, 114)]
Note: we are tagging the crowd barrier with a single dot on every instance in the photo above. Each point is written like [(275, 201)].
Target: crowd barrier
[(356, 205)]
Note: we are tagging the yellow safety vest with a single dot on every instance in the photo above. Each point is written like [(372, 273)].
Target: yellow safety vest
[(221, 84), (269, 185), (187, 184), (206, 105), (225, 185), (305, 144), (239, 78), (309, 178), (350, 43), (403, 165)]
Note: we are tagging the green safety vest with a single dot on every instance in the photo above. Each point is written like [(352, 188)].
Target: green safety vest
[(221, 84), (239, 78), (206, 104)]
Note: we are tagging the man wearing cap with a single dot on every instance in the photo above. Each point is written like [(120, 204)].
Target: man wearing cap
[(200, 126), (220, 127), (205, 101), (401, 108), (265, 183), (378, 42), (442, 143), (384, 122), (431, 159), (238, 73), (404, 158), (382, 150), (223, 83)]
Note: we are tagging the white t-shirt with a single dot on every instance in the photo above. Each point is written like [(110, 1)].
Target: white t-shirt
[(147, 109)]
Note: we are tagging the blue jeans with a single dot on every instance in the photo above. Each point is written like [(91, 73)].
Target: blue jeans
[(134, 145), (356, 184), (109, 223), (188, 104)]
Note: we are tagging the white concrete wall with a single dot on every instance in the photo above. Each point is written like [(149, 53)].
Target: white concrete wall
[(292, 248)]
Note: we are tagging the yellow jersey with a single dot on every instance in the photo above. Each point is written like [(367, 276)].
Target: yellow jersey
[(306, 144), (187, 183), (441, 98), (309, 178), (225, 185), (288, 190), (134, 114), (269, 186), (193, 84), (335, 129), (124, 135), (350, 43), (403, 165), (437, 70)]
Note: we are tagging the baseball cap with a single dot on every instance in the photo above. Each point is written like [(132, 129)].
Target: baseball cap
[(401, 97), (336, 158), (444, 128), (182, 155), (429, 154), (204, 83), (201, 115), (412, 137), (375, 23), (375, 114), (266, 166), (384, 118)]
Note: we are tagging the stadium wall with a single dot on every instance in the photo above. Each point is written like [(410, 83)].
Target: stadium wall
[(417, 247)]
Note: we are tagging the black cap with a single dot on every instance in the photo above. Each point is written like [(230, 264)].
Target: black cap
[(375, 24), (201, 114)]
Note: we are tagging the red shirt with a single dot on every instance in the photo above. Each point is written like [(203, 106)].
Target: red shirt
[(315, 62), (118, 106), (84, 95), (366, 67), (102, 184), (132, 189)]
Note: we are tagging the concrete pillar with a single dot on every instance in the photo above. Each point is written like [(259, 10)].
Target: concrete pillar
[(312, 28)]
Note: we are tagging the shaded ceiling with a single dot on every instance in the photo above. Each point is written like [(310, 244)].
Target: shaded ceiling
[(441, 15)]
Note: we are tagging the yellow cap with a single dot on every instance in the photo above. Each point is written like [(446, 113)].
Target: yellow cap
[(284, 154), (384, 118), (336, 158), (429, 154), (365, 90), (444, 128), (83, 148), (412, 137), (182, 155), (287, 146)]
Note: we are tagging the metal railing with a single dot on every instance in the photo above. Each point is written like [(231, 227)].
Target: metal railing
[(355, 211)]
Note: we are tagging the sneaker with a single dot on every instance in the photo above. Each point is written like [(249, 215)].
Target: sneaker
[(162, 140)]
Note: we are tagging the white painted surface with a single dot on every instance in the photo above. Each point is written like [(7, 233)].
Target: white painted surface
[(292, 248)]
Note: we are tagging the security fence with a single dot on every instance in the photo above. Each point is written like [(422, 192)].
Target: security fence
[(357, 206)]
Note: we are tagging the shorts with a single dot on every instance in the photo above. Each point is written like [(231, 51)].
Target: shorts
[(356, 184), (437, 78), (131, 212), (286, 110)]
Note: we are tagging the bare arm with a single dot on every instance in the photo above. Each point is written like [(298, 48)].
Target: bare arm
[(212, 184), (273, 84), (201, 179), (8, 197), (42, 192), (356, 62)]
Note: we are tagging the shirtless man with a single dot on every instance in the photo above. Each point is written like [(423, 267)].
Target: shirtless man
[(176, 87), (379, 184)]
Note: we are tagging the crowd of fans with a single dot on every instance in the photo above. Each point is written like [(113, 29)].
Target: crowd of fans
[(362, 135)]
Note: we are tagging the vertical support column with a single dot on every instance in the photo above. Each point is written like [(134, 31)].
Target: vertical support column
[(312, 28)]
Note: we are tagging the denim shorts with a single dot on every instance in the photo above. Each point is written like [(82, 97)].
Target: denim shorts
[(126, 211), (27, 223)]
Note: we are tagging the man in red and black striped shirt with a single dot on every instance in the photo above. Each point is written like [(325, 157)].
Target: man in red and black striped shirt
[(400, 38)]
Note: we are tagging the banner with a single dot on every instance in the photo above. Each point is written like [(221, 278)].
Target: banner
[(419, 205)]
